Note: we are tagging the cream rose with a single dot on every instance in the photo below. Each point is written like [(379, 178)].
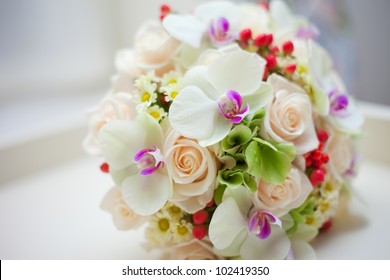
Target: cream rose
[(193, 250), (289, 116), (193, 171), (118, 106), (154, 49), (339, 147), (281, 198), (124, 218)]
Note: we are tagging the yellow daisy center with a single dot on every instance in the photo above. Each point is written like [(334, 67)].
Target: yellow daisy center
[(155, 115), (145, 96), (163, 224), (182, 230), (173, 94)]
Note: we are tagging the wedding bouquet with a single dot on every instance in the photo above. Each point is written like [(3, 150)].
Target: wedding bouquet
[(227, 132)]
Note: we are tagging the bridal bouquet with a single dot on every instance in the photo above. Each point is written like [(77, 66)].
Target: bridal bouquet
[(227, 133)]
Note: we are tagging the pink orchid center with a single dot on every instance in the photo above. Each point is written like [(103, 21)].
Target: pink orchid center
[(338, 103), (260, 223), (230, 106), (149, 160), (219, 31)]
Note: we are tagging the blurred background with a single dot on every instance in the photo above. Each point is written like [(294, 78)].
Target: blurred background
[(56, 60)]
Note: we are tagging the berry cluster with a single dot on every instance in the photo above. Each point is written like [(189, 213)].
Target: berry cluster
[(315, 160), (279, 59), (201, 219)]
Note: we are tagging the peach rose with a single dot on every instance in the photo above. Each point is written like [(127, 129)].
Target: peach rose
[(124, 218), (193, 250), (117, 106), (154, 49), (339, 147), (193, 171), (289, 116), (281, 198)]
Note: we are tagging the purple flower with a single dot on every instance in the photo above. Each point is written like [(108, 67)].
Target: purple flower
[(338, 103), (310, 32), (260, 223), (149, 160), (219, 31), (230, 106)]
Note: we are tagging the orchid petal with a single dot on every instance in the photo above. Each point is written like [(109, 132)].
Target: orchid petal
[(302, 250), (186, 29), (214, 10), (227, 223), (233, 250), (119, 175), (222, 127), (224, 74), (192, 113), (276, 246), (242, 196), (120, 141), (197, 76), (154, 135), (145, 195), (260, 98)]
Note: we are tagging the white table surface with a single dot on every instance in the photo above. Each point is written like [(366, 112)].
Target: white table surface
[(55, 214)]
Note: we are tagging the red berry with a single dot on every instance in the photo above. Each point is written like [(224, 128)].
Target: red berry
[(288, 47), (271, 61), (270, 39), (290, 69), (324, 158), (322, 135), (317, 176), (274, 50), (245, 35), (264, 5), (200, 217), (317, 154), (261, 40), (162, 16), (309, 162), (105, 168), (321, 146), (265, 74), (211, 203), (199, 231), (165, 9), (327, 225)]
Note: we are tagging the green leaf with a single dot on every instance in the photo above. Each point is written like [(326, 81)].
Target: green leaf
[(218, 194), (250, 183), (231, 178), (241, 163), (237, 137), (287, 148), (266, 162), (259, 114)]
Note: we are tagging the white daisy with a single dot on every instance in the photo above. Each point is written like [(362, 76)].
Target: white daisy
[(156, 112)]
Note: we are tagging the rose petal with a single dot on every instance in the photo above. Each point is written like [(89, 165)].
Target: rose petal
[(224, 74), (186, 29), (145, 195), (227, 223)]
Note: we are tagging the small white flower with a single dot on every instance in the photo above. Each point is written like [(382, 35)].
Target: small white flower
[(182, 232), (171, 91), (159, 230), (147, 94), (149, 78), (156, 112), (170, 78)]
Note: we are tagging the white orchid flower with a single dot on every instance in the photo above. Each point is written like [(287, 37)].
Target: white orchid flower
[(132, 149), (219, 95), (343, 113), (238, 230), (217, 19)]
